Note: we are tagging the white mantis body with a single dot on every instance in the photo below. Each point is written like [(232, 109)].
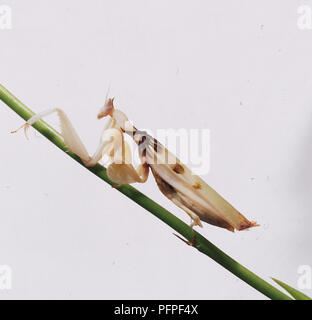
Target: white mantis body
[(174, 179)]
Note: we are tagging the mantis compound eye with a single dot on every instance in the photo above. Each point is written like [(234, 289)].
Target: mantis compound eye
[(107, 109)]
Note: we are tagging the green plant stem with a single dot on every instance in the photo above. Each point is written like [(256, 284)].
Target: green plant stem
[(202, 244)]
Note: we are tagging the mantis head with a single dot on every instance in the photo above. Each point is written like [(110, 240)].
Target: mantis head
[(121, 120)]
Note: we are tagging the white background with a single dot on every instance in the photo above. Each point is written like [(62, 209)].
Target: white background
[(242, 69)]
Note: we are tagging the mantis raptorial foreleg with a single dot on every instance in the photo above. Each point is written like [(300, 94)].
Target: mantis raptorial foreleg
[(112, 143), (72, 140)]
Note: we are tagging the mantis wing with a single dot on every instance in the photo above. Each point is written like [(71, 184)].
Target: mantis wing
[(191, 193)]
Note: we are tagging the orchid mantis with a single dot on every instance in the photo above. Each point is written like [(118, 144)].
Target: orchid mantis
[(185, 189)]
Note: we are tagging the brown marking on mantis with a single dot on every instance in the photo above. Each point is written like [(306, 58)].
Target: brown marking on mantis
[(156, 146), (177, 168), (248, 225), (196, 185), (167, 189), (142, 140)]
